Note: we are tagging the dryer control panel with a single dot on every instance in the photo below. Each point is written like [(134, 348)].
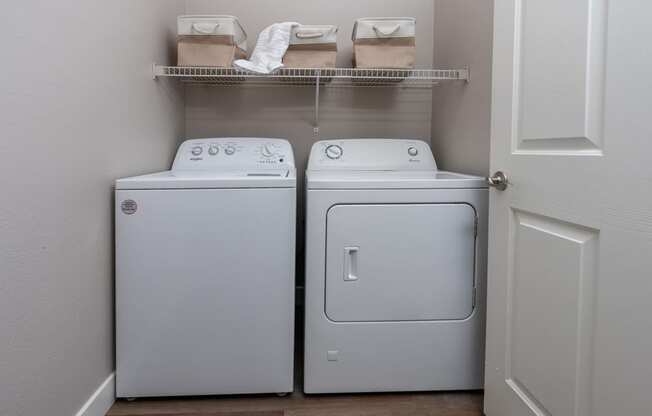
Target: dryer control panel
[(234, 153), (371, 155)]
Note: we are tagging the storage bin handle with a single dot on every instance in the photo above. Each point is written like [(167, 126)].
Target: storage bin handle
[(387, 31), (205, 28), (310, 35)]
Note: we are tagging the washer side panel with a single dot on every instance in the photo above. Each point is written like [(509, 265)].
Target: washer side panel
[(205, 292)]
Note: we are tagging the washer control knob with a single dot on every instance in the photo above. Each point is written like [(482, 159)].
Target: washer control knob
[(213, 150), (413, 151), (196, 150), (334, 152), (267, 150), (229, 150)]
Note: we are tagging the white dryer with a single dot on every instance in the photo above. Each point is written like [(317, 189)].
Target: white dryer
[(205, 257), (395, 270)]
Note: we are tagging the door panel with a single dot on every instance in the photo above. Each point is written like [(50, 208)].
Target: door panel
[(400, 262), (551, 290), (563, 62), (568, 326)]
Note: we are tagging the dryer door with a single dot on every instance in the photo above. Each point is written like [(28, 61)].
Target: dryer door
[(400, 262)]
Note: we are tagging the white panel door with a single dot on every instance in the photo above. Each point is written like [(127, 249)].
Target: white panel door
[(569, 325)]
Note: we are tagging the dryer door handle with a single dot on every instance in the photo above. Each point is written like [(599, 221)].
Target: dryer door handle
[(351, 264)]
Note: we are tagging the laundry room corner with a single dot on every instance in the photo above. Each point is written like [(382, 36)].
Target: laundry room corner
[(325, 208), (461, 117)]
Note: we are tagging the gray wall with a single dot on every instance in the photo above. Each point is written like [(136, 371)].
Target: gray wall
[(289, 112), (79, 109), (461, 116)]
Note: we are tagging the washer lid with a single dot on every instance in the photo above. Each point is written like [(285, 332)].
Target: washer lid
[(262, 178), (431, 179)]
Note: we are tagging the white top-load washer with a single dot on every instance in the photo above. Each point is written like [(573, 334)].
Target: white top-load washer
[(395, 270), (205, 258)]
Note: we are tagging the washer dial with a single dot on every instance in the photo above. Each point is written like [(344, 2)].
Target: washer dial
[(267, 150), (213, 150), (229, 150), (334, 152), (413, 151), (196, 150)]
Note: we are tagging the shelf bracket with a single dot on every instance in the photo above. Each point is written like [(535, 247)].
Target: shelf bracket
[(315, 129)]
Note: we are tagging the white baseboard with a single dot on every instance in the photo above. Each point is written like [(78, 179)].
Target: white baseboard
[(101, 401)]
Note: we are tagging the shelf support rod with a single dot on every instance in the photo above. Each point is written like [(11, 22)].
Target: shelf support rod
[(317, 82)]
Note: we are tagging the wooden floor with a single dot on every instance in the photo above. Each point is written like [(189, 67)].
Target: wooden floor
[(297, 404)]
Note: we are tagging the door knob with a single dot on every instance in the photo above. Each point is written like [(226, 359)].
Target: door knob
[(498, 181)]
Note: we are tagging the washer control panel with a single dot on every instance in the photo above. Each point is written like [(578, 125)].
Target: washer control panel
[(371, 154), (227, 152)]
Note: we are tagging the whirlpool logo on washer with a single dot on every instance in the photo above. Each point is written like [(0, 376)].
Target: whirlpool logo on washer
[(129, 206)]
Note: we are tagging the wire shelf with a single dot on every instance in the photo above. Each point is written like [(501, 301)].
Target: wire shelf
[(313, 77), (354, 77)]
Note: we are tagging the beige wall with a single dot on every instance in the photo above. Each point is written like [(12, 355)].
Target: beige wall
[(289, 112), (461, 116), (79, 109)]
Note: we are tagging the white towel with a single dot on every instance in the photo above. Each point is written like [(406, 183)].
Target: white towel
[(271, 46)]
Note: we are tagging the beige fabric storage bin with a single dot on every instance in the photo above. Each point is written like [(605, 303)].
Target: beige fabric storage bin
[(312, 46), (385, 43), (210, 40)]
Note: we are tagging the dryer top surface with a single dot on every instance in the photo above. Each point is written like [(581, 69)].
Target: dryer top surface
[(392, 180)]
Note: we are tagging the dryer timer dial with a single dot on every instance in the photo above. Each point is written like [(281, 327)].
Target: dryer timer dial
[(334, 152)]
